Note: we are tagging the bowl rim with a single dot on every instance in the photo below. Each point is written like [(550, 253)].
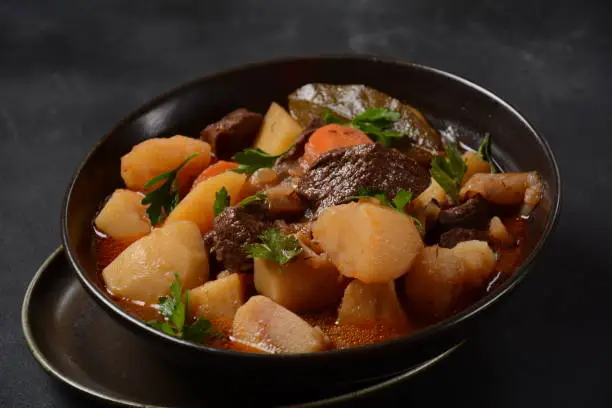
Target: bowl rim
[(430, 331)]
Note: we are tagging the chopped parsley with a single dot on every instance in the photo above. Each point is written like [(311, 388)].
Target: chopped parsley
[(165, 198)]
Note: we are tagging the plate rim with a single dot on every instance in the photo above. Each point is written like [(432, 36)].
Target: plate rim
[(55, 373)]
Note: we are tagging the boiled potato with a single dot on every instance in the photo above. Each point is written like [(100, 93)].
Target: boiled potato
[(267, 326), (433, 192), (372, 303), (478, 261), (475, 164), (308, 282), (218, 299), (278, 131), (153, 157), (368, 242), (197, 206), (441, 276), (434, 284), (498, 232), (123, 216), (145, 270)]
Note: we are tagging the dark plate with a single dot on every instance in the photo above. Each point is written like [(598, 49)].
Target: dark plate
[(186, 110), (78, 343)]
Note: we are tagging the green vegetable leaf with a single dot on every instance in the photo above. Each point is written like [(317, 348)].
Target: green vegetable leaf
[(174, 310), (252, 199), (484, 151), (402, 199), (329, 117), (275, 247), (381, 117), (222, 200), (399, 202), (251, 159), (375, 122), (165, 198), (448, 171)]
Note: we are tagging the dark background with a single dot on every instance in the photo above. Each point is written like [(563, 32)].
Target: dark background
[(69, 70)]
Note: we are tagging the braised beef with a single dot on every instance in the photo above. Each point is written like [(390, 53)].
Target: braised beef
[(235, 227), (235, 132), (474, 213), (340, 173), (456, 235)]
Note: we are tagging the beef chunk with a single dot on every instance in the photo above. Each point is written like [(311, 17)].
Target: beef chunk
[(340, 173), (474, 213), (456, 235), (235, 132), (235, 227)]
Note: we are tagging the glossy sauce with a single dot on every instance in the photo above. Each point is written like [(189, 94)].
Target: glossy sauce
[(341, 336)]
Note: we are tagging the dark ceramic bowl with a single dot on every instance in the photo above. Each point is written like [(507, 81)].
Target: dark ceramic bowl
[(443, 97)]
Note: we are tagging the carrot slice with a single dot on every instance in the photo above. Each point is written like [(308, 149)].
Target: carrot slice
[(331, 137), (215, 169)]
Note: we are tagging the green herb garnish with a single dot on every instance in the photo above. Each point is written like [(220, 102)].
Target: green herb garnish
[(165, 198), (399, 202), (222, 200), (448, 171), (275, 247), (174, 310), (252, 199), (251, 159), (484, 151), (375, 122)]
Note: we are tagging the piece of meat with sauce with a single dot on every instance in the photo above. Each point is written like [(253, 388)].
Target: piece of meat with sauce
[(452, 237), (474, 213), (340, 173), (235, 132), (234, 228)]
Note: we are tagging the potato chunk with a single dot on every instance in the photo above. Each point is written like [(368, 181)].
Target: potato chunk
[(441, 276), (433, 192), (197, 206), (160, 155), (499, 233), (478, 261), (218, 299), (123, 216), (278, 131), (306, 283), (267, 326), (475, 164), (372, 303), (145, 270), (368, 242)]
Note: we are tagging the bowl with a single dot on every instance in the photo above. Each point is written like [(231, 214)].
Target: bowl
[(443, 97)]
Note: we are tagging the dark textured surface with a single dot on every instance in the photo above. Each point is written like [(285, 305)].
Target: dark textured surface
[(341, 173), (69, 70)]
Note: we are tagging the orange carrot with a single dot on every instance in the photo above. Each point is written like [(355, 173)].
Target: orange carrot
[(331, 137), (213, 170)]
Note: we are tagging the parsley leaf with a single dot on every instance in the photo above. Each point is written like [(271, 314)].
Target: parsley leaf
[(399, 202), (402, 199), (165, 198), (222, 200), (275, 247), (375, 122), (251, 159), (174, 310), (252, 199), (484, 151), (448, 171)]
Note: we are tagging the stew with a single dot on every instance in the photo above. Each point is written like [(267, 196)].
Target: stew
[(341, 221)]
